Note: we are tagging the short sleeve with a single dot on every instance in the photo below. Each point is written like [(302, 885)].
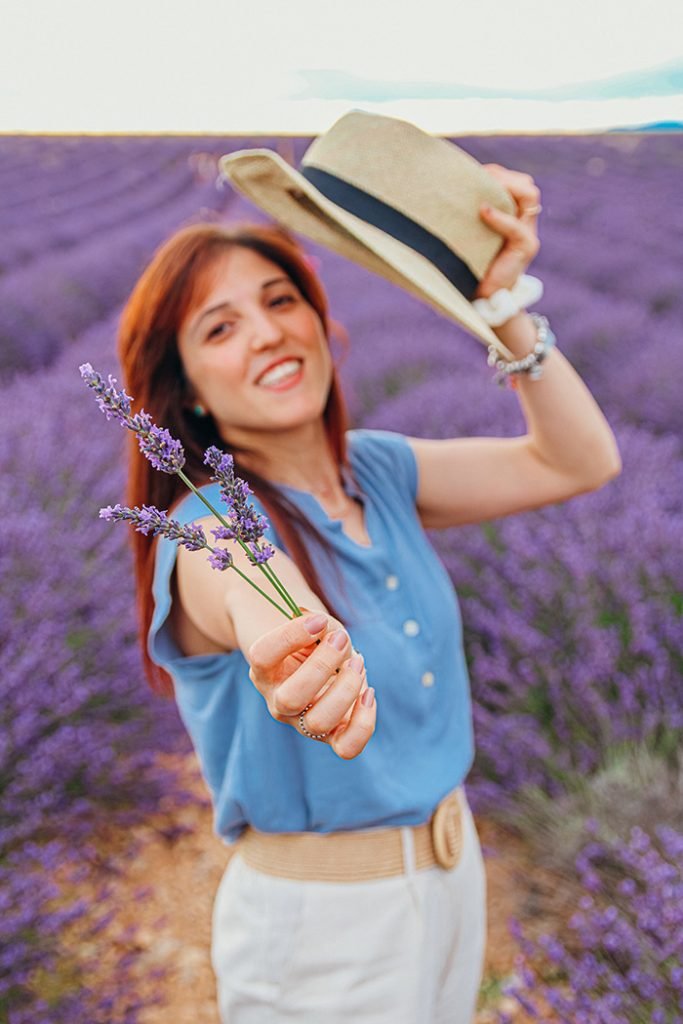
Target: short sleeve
[(387, 458), (160, 643)]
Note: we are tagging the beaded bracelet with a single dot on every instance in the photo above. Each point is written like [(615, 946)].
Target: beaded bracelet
[(531, 364)]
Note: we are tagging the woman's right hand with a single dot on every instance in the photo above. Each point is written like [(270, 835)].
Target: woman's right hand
[(292, 667)]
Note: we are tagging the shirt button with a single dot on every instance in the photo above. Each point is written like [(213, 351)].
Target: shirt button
[(428, 679), (411, 627), (391, 582)]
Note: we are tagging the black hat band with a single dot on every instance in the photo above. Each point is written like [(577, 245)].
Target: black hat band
[(386, 218)]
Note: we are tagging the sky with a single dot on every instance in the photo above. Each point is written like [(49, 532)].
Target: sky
[(244, 67)]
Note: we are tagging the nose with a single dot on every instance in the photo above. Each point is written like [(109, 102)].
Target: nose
[(266, 329)]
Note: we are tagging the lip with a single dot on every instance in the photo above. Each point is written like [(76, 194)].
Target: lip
[(276, 362)]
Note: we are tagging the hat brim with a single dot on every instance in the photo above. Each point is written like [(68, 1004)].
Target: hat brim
[(281, 191)]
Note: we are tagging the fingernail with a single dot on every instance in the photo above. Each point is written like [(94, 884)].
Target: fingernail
[(337, 639), (314, 623), (485, 208), (356, 663), (368, 698)]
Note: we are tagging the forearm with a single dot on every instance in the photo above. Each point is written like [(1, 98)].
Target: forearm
[(566, 426)]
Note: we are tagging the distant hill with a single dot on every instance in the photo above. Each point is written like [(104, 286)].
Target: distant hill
[(661, 80), (654, 126)]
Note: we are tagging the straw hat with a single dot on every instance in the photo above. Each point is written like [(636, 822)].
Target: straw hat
[(396, 200)]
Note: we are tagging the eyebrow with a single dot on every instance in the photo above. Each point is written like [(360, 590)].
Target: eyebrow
[(228, 305)]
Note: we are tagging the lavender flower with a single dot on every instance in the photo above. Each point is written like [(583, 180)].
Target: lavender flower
[(220, 559), (113, 402), (84, 743), (261, 553), (222, 464), (156, 444), (163, 451), (246, 523), (149, 520), (621, 964)]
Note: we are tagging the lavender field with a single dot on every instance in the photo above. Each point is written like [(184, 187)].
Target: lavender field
[(573, 615)]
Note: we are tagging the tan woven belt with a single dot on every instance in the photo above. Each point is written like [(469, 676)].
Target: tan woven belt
[(356, 856)]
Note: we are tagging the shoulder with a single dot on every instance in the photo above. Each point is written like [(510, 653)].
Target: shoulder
[(384, 456)]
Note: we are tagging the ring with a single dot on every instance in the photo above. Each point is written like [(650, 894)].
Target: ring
[(533, 209), (312, 735)]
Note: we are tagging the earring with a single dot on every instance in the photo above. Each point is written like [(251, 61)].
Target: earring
[(199, 410)]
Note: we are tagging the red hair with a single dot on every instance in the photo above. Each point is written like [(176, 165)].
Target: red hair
[(171, 285)]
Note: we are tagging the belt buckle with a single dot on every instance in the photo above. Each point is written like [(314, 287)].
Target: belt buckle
[(447, 831)]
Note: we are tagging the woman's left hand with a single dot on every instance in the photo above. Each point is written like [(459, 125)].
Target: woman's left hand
[(521, 242)]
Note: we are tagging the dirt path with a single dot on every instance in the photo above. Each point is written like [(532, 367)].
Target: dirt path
[(172, 926)]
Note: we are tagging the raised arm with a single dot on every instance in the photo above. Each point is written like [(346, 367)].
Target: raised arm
[(569, 447)]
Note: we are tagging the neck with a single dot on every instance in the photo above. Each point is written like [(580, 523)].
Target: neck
[(302, 459)]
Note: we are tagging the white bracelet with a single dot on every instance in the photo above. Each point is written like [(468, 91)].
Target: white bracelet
[(506, 302), (532, 364)]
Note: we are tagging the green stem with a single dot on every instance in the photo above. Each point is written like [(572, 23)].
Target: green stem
[(267, 572), (255, 586), (279, 587)]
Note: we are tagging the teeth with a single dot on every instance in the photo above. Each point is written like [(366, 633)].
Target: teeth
[(281, 371)]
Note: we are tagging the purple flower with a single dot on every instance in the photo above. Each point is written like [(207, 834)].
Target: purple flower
[(220, 559), (620, 964), (149, 520), (261, 554), (245, 523), (163, 451), (112, 401), (156, 444), (223, 533), (222, 464)]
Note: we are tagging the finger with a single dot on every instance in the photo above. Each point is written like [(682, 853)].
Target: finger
[(528, 197), (305, 683), (333, 708), (350, 740), (520, 234), (347, 717), (519, 184), (266, 653)]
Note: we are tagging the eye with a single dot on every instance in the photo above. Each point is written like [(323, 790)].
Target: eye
[(218, 329), (283, 299)]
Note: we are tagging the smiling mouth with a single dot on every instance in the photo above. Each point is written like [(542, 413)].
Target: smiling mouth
[(283, 373)]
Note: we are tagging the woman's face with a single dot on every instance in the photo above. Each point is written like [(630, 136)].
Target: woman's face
[(254, 316)]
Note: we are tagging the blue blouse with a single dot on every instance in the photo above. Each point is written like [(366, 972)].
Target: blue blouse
[(402, 614)]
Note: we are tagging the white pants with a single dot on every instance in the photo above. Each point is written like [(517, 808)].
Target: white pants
[(401, 950)]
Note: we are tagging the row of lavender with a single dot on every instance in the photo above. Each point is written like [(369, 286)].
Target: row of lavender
[(77, 227), (82, 731), (572, 614), (83, 734)]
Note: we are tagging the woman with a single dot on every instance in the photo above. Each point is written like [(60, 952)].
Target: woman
[(357, 891)]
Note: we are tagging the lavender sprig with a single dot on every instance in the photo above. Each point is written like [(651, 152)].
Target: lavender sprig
[(166, 454), (156, 444), (247, 523), (150, 520), (257, 552)]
